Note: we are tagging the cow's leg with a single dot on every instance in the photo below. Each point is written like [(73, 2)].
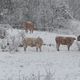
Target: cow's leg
[(26, 30), (40, 49), (57, 49), (29, 31), (36, 49), (32, 30), (69, 47), (16, 48), (25, 48), (57, 46), (37, 46)]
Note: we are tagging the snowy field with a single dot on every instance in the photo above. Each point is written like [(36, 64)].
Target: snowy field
[(32, 65)]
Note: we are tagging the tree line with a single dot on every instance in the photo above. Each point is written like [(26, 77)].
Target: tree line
[(46, 14)]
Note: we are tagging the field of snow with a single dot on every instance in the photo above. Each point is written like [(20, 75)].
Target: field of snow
[(62, 65)]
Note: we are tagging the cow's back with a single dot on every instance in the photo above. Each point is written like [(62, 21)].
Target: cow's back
[(60, 40), (30, 42), (29, 24)]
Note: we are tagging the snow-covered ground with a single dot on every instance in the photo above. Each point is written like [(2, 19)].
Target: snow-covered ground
[(63, 65)]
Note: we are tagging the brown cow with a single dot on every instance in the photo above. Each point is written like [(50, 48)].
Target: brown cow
[(64, 41), (28, 25), (33, 42)]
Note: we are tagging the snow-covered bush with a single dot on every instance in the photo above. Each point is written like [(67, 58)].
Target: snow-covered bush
[(49, 75), (33, 77), (14, 39), (3, 44), (75, 27), (14, 42)]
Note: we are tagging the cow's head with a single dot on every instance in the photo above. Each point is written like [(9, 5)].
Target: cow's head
[(74, 38)]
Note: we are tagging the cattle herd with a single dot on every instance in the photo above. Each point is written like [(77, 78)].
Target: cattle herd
[(60, 40), (38, 42)]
